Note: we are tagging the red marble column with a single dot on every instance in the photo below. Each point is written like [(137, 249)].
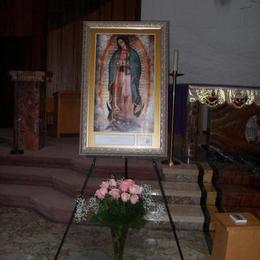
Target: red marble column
[(29, 115)]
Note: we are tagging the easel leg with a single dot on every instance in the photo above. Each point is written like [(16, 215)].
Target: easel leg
[(75, 208), (126, 168), (167, 207)]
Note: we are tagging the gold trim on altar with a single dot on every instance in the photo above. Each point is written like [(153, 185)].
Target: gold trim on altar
[(216, 96)]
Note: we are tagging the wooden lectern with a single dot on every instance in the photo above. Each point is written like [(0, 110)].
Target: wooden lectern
[(236, 241)]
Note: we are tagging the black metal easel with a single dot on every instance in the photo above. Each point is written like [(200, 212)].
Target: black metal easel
[(126, 177), (75, 207)]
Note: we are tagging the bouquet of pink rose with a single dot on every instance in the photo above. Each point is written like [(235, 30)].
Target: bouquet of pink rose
[(120, 204), (115, 203)]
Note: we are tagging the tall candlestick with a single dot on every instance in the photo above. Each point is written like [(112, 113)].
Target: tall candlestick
[(175, 59)]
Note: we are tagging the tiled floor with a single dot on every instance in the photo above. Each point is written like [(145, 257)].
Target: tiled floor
[(25, 235)]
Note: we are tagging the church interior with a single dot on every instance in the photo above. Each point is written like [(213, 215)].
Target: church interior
[(213, 132)]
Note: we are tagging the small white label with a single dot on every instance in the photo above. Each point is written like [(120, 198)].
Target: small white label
[(115, 139), (144, 140), (238, 218)]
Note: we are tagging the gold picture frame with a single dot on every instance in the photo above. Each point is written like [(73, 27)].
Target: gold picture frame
[(124, 89)]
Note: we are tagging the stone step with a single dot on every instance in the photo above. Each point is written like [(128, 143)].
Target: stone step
[(65, 180), (178, 192), (183, 198), (185, 218), (70, 182), (181, 173), (52, 204), (81, 164), (57, 206), (36, 161)]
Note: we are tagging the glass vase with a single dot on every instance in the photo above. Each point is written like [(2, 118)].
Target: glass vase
[(119, 234)]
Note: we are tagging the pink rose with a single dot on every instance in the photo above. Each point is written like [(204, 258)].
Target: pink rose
[(99, 195), (104, 184), (125, 196), (135, 189), (130, 181), (103, 191), (134, 199), (112, 183), (125, 184), (115, 194)]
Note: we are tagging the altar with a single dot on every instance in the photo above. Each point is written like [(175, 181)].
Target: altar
[(217, 118)]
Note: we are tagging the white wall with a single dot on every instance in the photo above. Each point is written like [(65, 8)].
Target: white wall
[(218, 44)]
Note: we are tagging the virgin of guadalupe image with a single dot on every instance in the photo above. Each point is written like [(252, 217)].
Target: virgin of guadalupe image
[(123, 100)]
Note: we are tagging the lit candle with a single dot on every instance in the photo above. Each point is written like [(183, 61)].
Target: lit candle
[(175, 59)]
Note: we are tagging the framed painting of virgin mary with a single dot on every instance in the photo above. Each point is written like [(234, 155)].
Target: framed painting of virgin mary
[(124, 89)]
